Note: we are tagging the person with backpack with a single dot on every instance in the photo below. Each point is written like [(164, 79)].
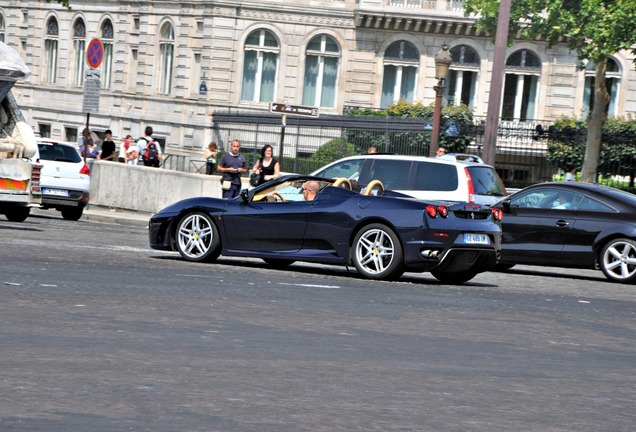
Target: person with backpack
[(149, 149)]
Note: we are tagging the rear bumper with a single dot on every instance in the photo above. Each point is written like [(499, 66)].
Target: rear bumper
[(75, 199)]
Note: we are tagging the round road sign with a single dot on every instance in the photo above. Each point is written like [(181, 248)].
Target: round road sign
[(95, 53)]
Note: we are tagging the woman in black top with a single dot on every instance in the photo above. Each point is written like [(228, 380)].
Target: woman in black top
[(267, 167)]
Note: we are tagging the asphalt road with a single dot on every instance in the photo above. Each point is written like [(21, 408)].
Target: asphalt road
[(100, 333)]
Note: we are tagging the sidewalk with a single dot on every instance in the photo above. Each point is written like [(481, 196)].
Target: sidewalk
[(122, 217)]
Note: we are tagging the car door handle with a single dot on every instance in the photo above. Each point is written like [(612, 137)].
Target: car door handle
[(562, 223)]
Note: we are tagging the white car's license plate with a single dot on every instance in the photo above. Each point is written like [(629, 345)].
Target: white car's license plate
[(476, 239), (58, 192)]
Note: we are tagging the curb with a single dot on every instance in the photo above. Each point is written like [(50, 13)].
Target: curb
[(125, 218)]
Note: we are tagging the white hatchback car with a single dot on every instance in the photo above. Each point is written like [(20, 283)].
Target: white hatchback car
[(65, 178), (447, 178)]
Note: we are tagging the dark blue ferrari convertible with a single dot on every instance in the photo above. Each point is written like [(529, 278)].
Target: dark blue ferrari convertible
[(382, 233)]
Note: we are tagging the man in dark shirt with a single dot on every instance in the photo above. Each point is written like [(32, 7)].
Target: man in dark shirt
[(108, 147), (232, 165)]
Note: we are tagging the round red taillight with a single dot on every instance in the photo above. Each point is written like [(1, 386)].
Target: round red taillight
[(443, 211), (431, 211), (497, 214)]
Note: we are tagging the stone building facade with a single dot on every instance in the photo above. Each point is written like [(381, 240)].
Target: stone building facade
[(171, 64)]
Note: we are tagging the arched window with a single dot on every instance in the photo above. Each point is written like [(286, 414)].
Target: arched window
[(521, 88), (260, 66), (401, 61), (463, 76), (50, 46), (166, 49), (79, 50), (107, 62), (1, 28), (321, 72), (612, 82)]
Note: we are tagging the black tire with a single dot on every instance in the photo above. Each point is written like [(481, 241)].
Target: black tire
[(618, 260), (197, 238), (455, 277), (72, 213), (377, 253), (278, 263), (17, 213)]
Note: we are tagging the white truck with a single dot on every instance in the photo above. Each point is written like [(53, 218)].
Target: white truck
[(19, 173)]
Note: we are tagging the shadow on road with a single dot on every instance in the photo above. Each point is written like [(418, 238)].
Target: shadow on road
[(322, 269)]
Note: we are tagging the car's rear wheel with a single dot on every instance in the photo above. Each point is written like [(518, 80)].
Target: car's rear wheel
[(278, 263), (73, 213), (454, 277), (197, 238), (618, 260), (377, 253)]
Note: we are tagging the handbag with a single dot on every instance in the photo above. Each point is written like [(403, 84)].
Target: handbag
[(254, 179), (226, 184)]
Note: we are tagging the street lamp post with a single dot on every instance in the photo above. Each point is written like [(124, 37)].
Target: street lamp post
[(443, 61)]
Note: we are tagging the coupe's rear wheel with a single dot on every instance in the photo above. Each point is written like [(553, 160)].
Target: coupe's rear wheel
[(454, 277), (197, 238), (377, 253), (618, 260), (17, 213), (72, 213)]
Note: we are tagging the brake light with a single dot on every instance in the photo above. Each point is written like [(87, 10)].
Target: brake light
[(85, 170), (433, 211), (497, 214), (471, 189)]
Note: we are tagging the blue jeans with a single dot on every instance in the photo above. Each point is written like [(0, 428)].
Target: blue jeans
[(233, 191)]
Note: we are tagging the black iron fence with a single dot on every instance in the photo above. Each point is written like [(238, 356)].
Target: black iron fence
[(525, 149)]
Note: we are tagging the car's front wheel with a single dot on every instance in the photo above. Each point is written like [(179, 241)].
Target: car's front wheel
[(17, 213), (198, 238), (377, 253), (618, 260)]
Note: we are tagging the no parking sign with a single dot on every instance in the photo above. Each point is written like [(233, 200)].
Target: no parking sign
[(95, 53)]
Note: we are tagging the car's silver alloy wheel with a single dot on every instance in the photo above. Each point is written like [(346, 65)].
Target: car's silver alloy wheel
[(194, 236), (618, 260), (375, 251)]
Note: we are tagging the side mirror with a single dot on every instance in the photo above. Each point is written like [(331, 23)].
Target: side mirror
[(245, 196), (506, 206)]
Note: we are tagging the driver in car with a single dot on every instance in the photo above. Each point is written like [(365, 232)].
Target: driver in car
[(310, 189)]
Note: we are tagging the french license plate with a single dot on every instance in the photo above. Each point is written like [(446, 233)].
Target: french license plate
[(476, 239), (57, 192)]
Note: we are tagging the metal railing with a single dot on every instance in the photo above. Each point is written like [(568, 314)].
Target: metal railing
[(524, 148)]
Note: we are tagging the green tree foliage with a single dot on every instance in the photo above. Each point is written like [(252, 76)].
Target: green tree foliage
[(414, 143), (617, 156), (332, 150), (593, 29)]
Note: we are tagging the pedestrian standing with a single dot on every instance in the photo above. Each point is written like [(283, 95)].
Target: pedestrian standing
[(124, 148), (210, 154), (149, 149), (231, 166), (108, 147)]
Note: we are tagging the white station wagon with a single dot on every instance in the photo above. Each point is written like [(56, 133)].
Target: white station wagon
[(447, 178)]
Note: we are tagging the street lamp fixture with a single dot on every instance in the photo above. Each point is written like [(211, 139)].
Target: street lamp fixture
[(443, 61)]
